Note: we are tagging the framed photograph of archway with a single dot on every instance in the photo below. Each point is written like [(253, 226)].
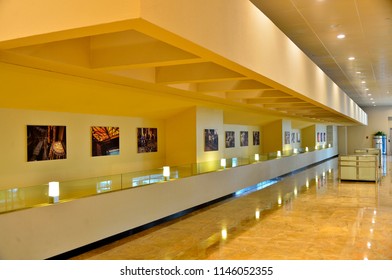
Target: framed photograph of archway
[(147, 140), (105, 141), (46, 142)]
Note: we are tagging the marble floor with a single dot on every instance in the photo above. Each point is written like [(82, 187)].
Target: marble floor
[(308, 215)]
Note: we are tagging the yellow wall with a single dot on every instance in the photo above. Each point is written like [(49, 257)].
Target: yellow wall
[(181, 138), (272, 137), (309, 137)]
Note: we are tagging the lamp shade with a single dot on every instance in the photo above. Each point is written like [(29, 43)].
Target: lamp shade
[(54, 189), (223, 162), (166, 171)]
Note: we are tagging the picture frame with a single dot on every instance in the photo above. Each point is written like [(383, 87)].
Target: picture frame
[(46, 142), (230, 139), (287, 137), (256, 138), (244, 138), (211, 140), (147, 140), (105, 141)]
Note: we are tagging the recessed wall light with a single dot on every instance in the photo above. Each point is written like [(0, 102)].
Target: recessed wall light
[(372, 99), (341, 36), (358, 72), (366, 89), (363, 82), (351, 58), (369, 94)]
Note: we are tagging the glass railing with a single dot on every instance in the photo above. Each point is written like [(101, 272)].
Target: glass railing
[(37, 196)]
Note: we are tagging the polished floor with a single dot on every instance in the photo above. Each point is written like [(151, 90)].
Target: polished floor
[(308, 215)]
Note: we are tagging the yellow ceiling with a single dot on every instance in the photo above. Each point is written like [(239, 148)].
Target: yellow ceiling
[(148, 76)]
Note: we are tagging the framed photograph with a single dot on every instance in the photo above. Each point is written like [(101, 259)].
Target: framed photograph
[(256, 138), (46, 142), (324, 137), (230, 139), (211, 142), (287, 137), (244, 138), (298, 137), (147, 140), (293, 137), (318, 137), (105, 141)]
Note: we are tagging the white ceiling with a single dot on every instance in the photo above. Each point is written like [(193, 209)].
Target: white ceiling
[(313, 25)]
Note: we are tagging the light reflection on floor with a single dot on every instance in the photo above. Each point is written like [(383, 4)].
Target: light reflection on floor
[(307, 215)]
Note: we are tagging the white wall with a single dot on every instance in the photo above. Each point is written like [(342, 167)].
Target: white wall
[(16, 171), (245, 151), (44, 232), (207, 118)]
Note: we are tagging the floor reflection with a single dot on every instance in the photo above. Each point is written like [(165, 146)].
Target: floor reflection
[(305, 215)]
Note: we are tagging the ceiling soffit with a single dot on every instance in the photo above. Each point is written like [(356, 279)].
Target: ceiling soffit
[(137, 56)]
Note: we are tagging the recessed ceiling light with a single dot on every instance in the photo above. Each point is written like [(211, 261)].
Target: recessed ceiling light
[(341, 36), (351, 58)]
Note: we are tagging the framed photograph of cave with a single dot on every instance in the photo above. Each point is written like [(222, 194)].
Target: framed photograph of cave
[(211, 142), (243, 138), (256, 138), (46, 142), (287, 137), (147, 140), (105, 141), (230, 139)]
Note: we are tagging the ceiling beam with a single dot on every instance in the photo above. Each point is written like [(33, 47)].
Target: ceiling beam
[(198, 72)]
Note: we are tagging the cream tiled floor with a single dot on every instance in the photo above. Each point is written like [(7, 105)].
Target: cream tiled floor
[(308, 215)]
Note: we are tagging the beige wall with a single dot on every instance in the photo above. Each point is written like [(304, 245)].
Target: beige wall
[(207, 118), (238, 151), (16, 171), (362, 136)]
